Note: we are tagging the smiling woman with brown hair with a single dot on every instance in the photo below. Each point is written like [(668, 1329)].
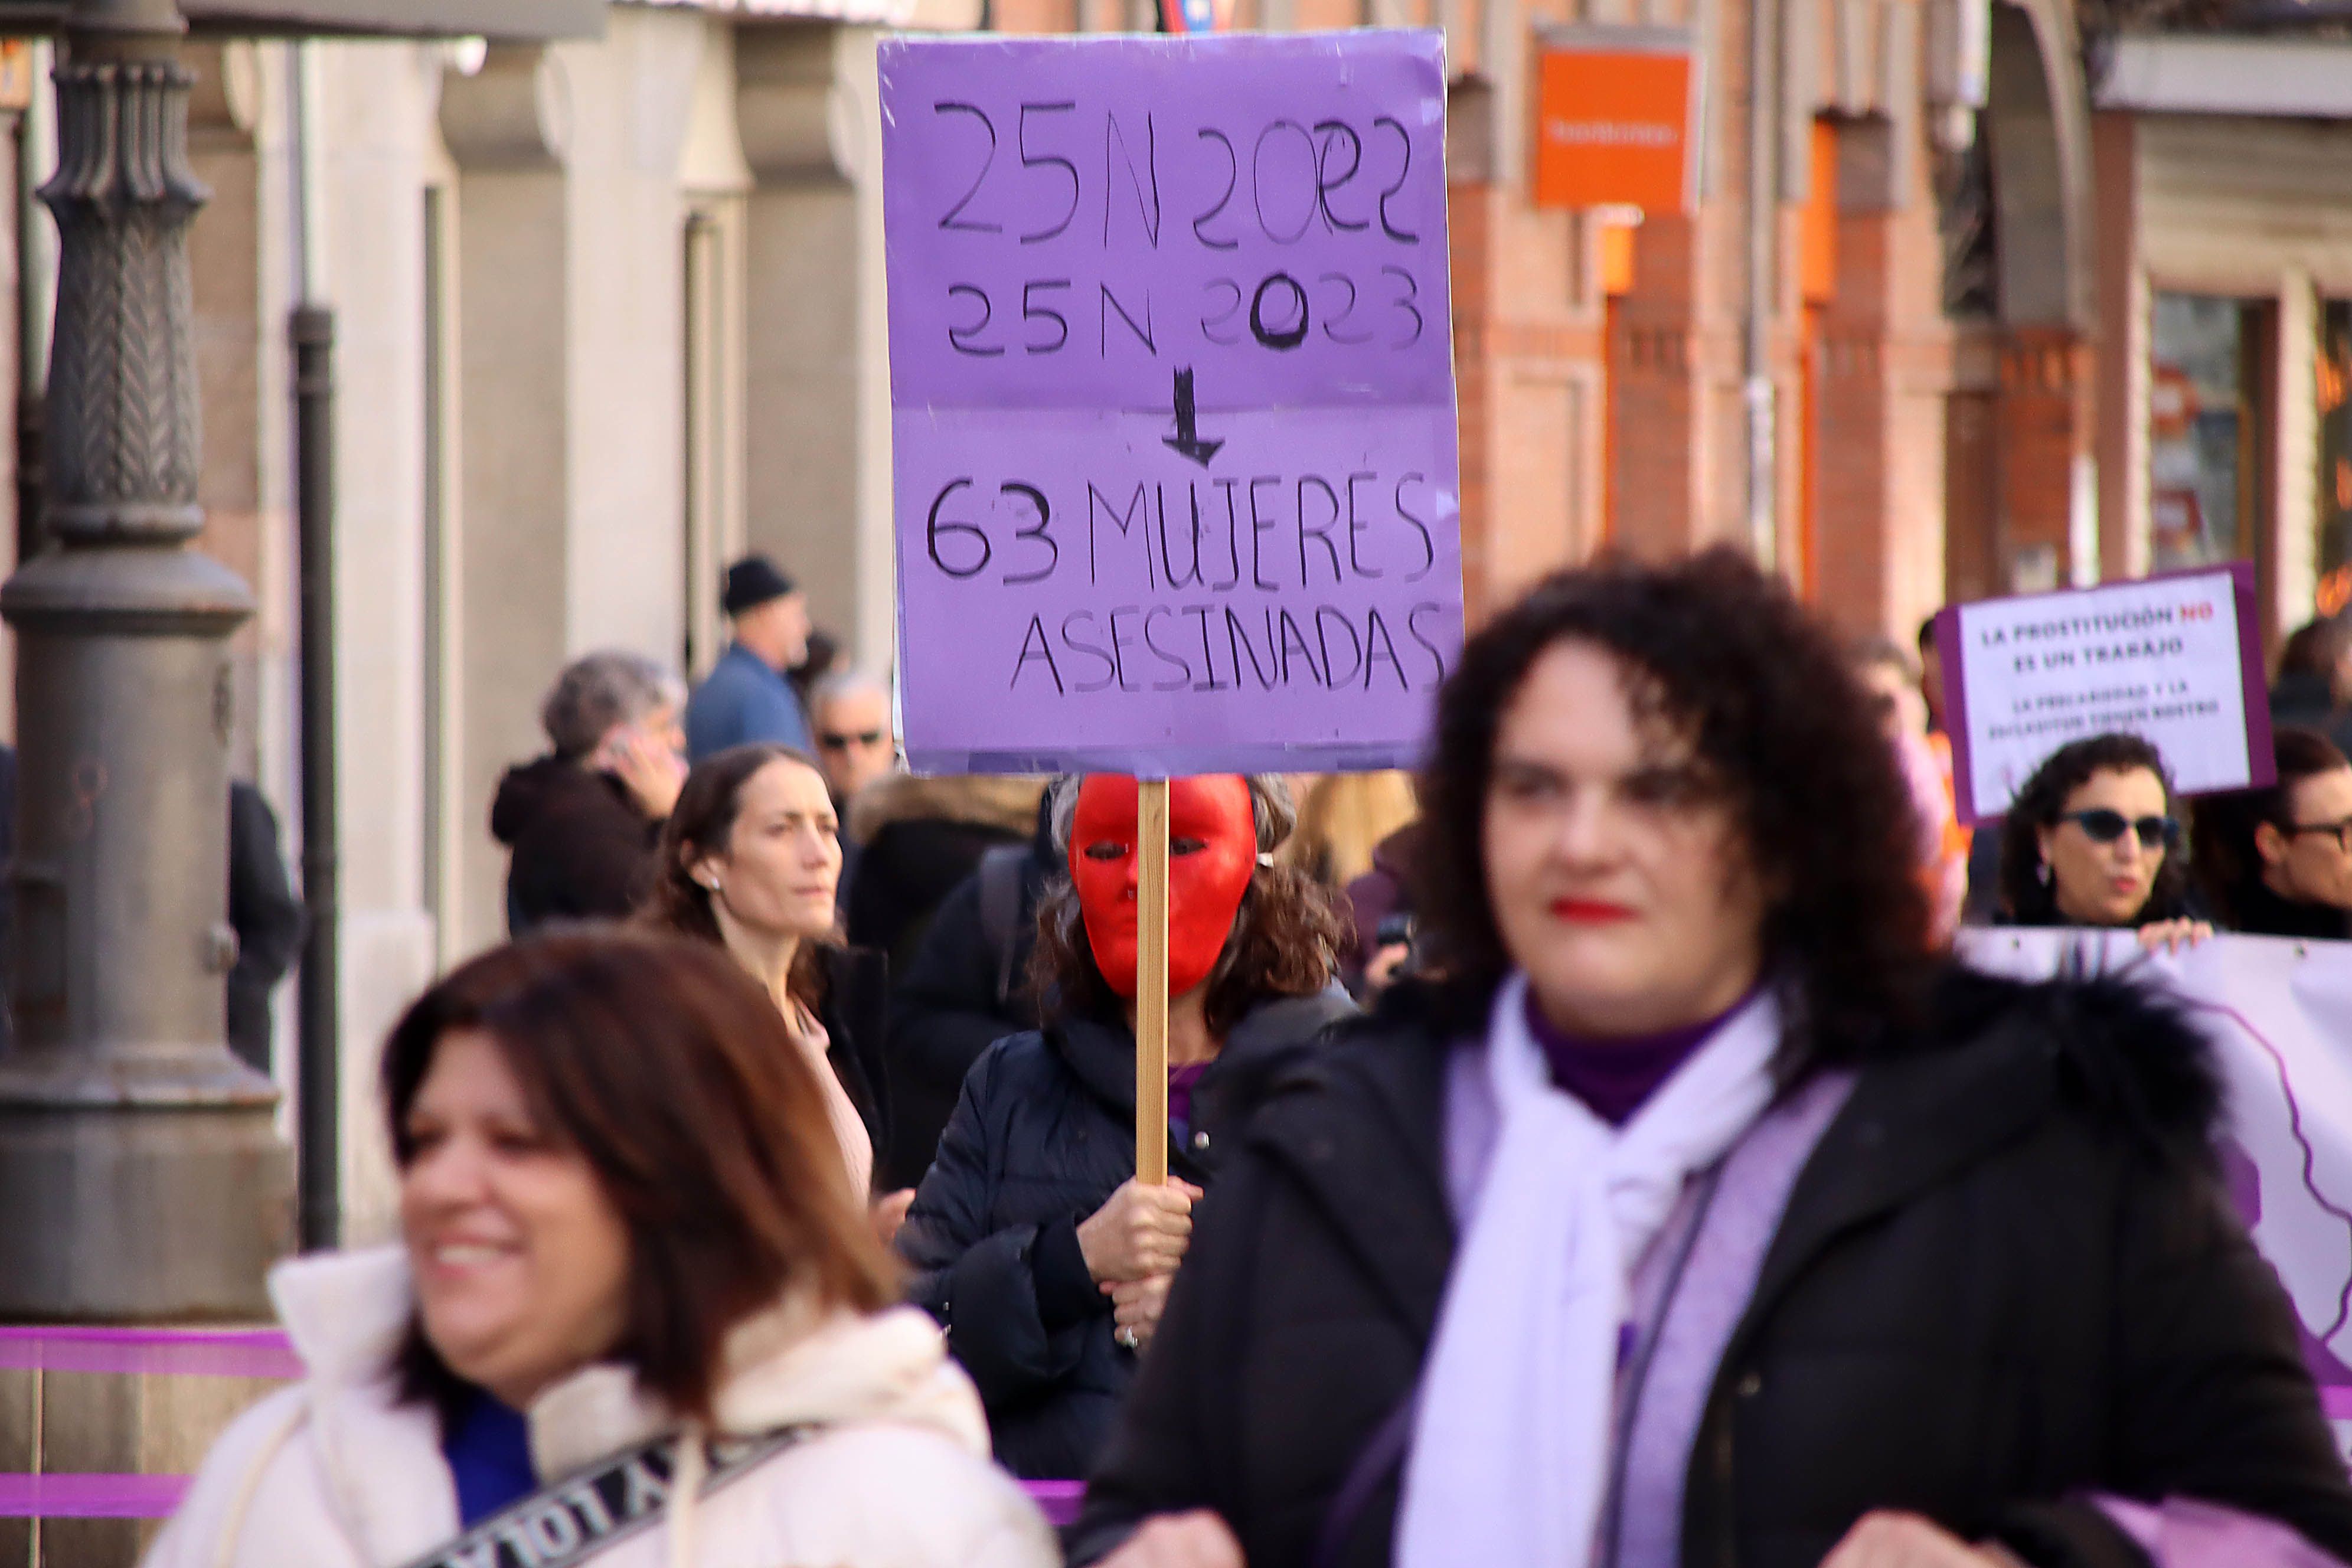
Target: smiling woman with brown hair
[(637, 1314), (1696, 1212)]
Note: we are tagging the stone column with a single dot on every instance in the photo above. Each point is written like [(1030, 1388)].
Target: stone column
[(144, 1180)]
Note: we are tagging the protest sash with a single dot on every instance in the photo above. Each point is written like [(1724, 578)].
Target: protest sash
[(572, 1519)]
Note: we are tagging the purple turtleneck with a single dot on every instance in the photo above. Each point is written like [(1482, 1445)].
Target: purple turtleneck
[(1180, 1084), (1614, 1075)]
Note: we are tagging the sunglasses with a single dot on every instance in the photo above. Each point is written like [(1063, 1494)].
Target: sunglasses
[(836, 741), (2100, 826)]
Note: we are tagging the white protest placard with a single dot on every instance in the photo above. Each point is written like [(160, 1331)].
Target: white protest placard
[(2175, 659)]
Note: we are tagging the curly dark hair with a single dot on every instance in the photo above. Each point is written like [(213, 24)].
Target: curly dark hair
[(700, 824), (1775, 713), (2025, 899), (1286, 937), (2227, 865)]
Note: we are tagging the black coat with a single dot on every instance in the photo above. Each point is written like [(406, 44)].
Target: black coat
[(268, 920), (2261, 913), (581, 848), (903, 873), (853, 1010), (965, 990), (2006, 1275), (1042, 1136)]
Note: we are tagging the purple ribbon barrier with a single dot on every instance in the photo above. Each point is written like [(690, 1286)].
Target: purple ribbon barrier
[(89, 1496), (206, 1352), (154, 1497), (200, 1352), (1058, 1500)]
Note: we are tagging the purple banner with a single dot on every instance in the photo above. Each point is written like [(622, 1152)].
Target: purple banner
[(1176, 483), (2278, 1014)]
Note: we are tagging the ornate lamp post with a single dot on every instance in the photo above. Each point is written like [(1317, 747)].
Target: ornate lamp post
[(142, 1175)]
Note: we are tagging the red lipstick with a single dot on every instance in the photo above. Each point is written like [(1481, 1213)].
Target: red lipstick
[(1589, 911)]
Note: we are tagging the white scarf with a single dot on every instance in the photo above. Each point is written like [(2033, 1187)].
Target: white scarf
[(1511, 1444)]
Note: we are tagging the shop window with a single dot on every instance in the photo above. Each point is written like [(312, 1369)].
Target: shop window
[(2333, 493), (2206, 430)]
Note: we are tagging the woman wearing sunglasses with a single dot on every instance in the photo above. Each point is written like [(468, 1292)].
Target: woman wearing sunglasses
[(2093, 839), (2278, 861)]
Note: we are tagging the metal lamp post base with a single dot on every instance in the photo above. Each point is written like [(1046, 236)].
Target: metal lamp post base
[(143, 1173), (144, 1217), (140, 1177)]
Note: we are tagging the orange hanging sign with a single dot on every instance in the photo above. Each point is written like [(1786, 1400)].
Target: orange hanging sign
[(1613, 110), (16, 73)]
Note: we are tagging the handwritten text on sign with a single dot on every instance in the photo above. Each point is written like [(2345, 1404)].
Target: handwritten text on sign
[(2171, 660), (1173, 431)]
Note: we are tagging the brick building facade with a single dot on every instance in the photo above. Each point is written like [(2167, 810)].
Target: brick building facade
[(2035, 302), (1914, 431), (1901, 343)]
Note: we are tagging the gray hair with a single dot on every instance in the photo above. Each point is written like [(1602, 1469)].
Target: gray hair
[(850, 682), (599, 689), (1271, 808)]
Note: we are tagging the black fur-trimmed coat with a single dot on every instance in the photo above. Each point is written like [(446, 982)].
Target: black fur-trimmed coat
[(2007, 1278)]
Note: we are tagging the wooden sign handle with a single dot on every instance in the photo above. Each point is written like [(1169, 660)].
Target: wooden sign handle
[(1151, 984)]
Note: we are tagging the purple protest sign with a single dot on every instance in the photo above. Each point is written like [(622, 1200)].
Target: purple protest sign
[(1173, 373)]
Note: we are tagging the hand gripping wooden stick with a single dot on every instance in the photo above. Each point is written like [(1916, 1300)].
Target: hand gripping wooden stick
[(1151, 984)]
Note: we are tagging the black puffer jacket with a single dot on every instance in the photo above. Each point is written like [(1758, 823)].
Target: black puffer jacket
[(920, 837), (1042, 1136), (966, 989), (581, 849), (2006, 1278)]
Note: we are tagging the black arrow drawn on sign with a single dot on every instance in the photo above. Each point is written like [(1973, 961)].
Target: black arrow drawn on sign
[(1186, 439)]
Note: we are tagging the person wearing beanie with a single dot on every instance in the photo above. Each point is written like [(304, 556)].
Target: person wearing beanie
[(746, 696)]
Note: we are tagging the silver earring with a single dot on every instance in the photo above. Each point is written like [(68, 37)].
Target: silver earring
[(711, 883), (2043, 871)]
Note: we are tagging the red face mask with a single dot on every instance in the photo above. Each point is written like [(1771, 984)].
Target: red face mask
[(1213, 848)]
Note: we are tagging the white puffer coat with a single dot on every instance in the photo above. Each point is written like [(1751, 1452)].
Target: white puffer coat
[(334, 1472)]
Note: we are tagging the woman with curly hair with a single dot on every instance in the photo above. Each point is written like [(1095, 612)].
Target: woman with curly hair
[(1034, 1244), (2094, 839), (2278, 861), (1692, 1210)]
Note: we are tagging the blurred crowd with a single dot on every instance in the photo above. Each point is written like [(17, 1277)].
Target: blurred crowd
[(1586, 1153)]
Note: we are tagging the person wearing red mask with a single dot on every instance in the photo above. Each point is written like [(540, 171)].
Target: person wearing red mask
[(1030, 1240)]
